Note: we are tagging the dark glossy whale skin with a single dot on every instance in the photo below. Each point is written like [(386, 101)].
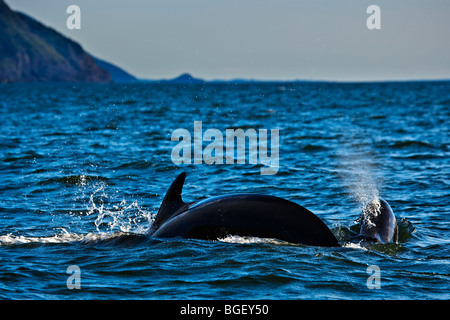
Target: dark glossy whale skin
[(252, 215), (249, 215), (378, 223)]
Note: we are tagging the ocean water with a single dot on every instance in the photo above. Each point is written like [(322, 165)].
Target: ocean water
[(84, 168)]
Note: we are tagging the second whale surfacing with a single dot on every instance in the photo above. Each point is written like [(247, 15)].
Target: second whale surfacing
[(252, 215), (378, 223)]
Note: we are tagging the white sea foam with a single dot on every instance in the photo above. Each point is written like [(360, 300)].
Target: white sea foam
[(354, 246), (63, 237), (250, 240)]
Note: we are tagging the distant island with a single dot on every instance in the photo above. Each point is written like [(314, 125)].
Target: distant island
[(185, 78)]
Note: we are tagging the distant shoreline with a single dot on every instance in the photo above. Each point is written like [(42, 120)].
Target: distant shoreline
[(236, 82)]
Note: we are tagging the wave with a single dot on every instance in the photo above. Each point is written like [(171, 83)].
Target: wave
[(79, 180), (318, 137), (410, 143), (29, 155), (314, 148), (65, 237), (140, 164), (252, 240), (419, 156)]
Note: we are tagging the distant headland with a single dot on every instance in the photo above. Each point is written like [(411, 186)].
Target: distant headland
[(33, 52)]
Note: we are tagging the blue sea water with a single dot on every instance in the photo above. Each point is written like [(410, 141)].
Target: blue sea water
[(84, 168)]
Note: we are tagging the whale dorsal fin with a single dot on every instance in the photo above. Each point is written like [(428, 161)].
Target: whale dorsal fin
[(172, 202)]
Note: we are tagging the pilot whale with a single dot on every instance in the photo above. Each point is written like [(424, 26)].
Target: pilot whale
[(253, 215), (378, 223)]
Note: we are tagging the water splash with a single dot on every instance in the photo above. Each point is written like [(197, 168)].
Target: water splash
[(360, 173), (111, 218), (370, 211), (123, 216)]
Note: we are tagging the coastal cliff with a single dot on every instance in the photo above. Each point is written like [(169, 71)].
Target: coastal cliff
[(32, 52)]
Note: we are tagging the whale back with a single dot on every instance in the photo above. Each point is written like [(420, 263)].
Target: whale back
[(252, 215)]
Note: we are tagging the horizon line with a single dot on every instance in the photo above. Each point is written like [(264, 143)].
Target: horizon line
[(244, 80)]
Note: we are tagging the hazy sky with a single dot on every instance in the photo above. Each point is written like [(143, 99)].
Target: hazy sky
[(260, 39)]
